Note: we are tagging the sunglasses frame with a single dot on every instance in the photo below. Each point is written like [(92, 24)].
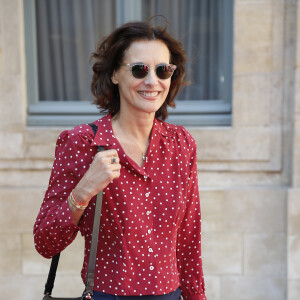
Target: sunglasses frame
[(130, 66)]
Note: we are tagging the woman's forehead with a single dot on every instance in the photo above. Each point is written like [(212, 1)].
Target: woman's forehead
[(145, 49)]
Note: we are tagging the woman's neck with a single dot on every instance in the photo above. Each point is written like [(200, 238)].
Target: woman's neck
[(133, 134), (135, 127)]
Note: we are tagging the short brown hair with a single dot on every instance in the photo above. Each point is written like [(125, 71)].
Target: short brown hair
[(109, 55)]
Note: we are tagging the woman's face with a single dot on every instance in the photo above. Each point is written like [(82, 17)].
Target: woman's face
[(146, 95)]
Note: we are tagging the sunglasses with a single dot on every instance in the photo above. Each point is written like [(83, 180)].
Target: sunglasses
[(141, 70)]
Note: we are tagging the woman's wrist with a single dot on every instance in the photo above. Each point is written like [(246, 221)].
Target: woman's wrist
[(74, 204), (81, 196)]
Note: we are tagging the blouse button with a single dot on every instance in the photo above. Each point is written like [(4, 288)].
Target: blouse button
[(150, 250), (151, 268), (148, 212), (147, 194), (149, 231)]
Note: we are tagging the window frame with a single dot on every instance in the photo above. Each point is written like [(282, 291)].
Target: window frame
[(70, 113)]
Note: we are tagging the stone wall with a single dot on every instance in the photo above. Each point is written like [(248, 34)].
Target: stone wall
[(293, 239), (249, 173)]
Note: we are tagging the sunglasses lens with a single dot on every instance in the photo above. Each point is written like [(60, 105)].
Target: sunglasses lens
[(139, 70), (164, 71)]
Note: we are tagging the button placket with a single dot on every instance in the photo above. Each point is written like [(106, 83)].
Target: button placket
[(148, 211)]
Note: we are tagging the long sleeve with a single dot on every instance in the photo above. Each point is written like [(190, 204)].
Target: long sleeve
[(189, 259), (54, 229)]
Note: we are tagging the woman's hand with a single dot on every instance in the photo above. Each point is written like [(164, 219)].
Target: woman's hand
[(104, 168)]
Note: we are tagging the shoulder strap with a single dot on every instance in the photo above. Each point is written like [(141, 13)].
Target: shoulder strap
[(89, 285), (95, 128)]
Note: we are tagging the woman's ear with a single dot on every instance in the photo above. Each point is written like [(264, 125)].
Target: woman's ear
[(114, 79)]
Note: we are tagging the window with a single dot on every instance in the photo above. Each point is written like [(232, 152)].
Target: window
[(60, 36)]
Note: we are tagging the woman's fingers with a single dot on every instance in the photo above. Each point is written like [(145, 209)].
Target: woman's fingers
[(109, 160), (104, 169), (108, 156)]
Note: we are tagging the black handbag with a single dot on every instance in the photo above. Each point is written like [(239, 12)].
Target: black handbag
[(89, 284)]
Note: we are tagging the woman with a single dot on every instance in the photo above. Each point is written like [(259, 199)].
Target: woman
[(150, 239)]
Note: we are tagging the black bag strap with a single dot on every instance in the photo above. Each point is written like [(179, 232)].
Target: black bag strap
[(89, 285), (52, 274)]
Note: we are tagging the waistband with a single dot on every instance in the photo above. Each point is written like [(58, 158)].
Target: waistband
[(175, 295)]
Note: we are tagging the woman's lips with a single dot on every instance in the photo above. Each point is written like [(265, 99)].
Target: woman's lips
[(148, 94)]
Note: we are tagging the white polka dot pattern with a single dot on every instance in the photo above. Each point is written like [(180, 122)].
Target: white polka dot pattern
[(150, 232)]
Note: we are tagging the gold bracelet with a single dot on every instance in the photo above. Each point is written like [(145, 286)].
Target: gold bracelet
[(76, 205), (72, 206)]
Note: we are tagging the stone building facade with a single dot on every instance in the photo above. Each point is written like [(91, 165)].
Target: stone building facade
[(249, 173)]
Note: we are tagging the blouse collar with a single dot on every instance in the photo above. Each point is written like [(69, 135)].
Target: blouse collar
[(105, 134)]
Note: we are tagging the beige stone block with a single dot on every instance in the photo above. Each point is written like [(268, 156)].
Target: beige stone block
[(227, 179), (211, 210), (40, 142), (276, 99), (24, 179), (294, 212), (296, 156), (251, 143), (70, 262), (40, 151), (19, 209), (254, 211), (276, 149), (22, 287), (222, 253), (252, 103), (293, 290), (72, 257), (253, 37), (294, 6), (297, 95), (32, 262), (11, 145), (213, 144), (213, 287), (22, 165), (41, 135), (1, 39), (253, 288), (32, 287), (12, 113), (11, 36), (278, 32), (10, 254), (294, 257), (251, 170), (265, 254), (255, 167)]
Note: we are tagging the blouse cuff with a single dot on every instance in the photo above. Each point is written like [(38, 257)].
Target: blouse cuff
[(64, 216)]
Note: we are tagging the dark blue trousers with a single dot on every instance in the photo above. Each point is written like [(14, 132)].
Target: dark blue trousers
[(171, 296)]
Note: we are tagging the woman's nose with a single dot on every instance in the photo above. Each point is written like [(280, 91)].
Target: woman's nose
[(151, 78)]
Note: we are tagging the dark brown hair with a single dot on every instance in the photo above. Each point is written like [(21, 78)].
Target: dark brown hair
[(108, 58)]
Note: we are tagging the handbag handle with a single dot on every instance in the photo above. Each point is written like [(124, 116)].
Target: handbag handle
[(89, 284)]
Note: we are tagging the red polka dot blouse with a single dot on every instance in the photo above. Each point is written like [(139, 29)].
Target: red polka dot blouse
[(150, 232)]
